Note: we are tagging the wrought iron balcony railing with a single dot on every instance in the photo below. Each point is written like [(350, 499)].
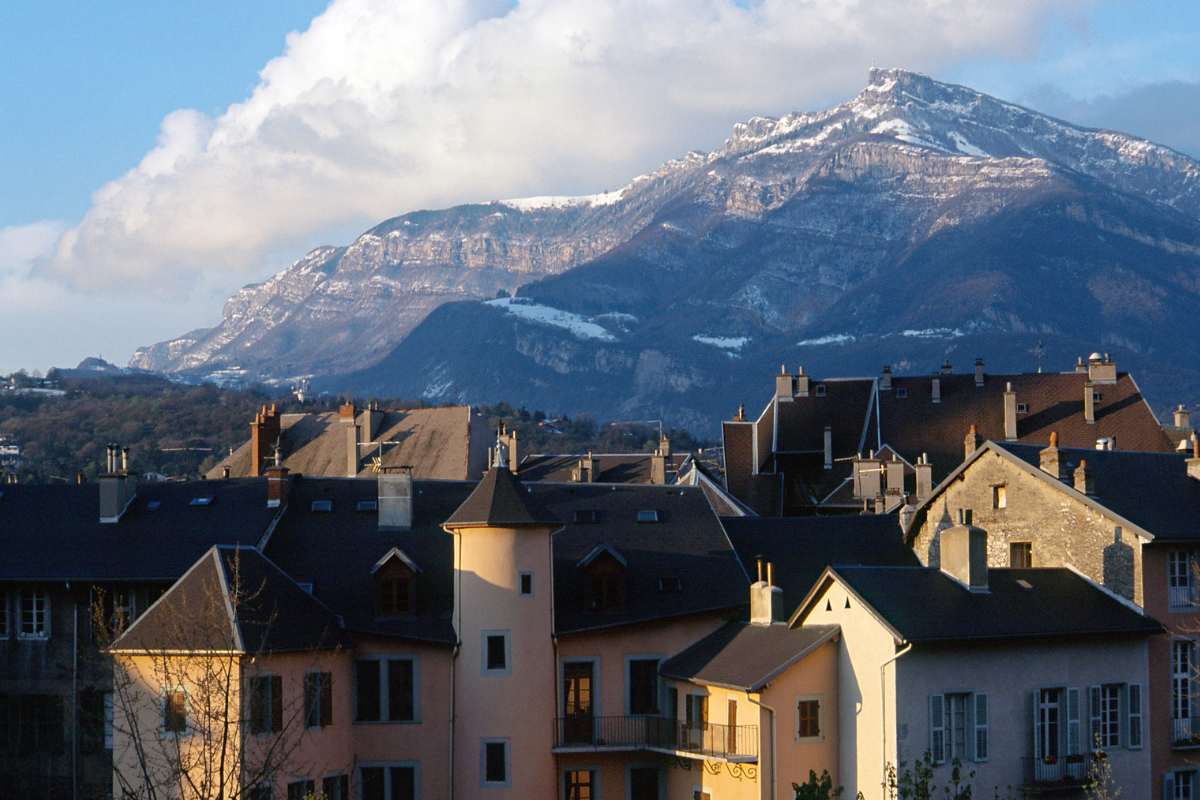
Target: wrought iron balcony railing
[(707, 740), (1072, 770)]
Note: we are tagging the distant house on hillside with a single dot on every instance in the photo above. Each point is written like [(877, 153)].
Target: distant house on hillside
[(448, 443), (840, 445)]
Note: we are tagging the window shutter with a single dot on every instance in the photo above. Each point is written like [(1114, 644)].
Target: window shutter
[(276, 703), (326, 698), (937, 728), (981, 727), (1133, 704), (1074, 746), (1094, 714), (1033, 722), (1168, 786)]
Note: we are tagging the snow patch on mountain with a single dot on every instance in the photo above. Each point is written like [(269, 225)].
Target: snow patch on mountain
[(723, 342), (558, 202), (831, 338), (580, 326)]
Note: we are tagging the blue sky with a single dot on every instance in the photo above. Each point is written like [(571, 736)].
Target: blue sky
[(90, 89)]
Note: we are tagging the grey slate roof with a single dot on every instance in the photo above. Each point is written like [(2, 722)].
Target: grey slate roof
[(500, 500), (1151, 490), (924, 605), (739, 655), (234, 599), (802, 547), (52, 531)]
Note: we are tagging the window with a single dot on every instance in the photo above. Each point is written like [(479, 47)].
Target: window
[(366, 505), (321, 506), (33, 723), (175, 711), (387, 783), (937, 728), (956, 726), (981, 727), (201, 502), (336, 787), (526, 582), (1000, 496), (670, 585), (808, 719), (495, 762), (579, 784), (1105, 706), (4, 626), (1022, 408), (1020, 555), (35, 614), (395, 588), (1179, 579), (301, 790), (643, 686), (819, 390), (1180, 785), (1181, 688), (385, 690), (586, 516), (1133, 694), (901, 393), (266, 704), (647, 515), (1097, 397), (108, 720), (605, 583), (1047, 722), (695, 713), (260, 792), (644, 783), (318, 699), (495, 651)]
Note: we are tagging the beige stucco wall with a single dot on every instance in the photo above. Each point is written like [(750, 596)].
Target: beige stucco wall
[(866, 721), (1063, 529), (814, 677), (721, 780), (519, 705)]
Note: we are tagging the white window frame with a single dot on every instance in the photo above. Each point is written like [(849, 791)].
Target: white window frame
[(950, 699), (1174, 787), (386, 766), (999, 496), (42, 611), (820, 701), (384, 698), (1180, 580), (483, 653), (1042, 709), (1105, 705), (483, 748)]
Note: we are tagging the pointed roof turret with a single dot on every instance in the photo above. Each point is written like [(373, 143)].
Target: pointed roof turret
[(500, 501)]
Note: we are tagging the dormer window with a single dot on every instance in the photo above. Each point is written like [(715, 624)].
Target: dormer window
[(586, 516), (604, 579), (647, 515), (819, 390), (901, 393), (670, 584), (321, 506), (1022, 408), (395, 584)]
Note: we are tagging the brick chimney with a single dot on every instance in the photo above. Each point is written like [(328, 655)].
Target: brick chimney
[(1089, 403), (264, 436), (1183, 417), (924, 472), (828, 447), (885, 378), (664, 444), (1048, 458), (1010, 412), (801, 383), (935, 390), (396, 498), (783, 384), (117, 487), (1101, 369), (277, 485), (347, 411), (963, 553), (1193, 463), (978, 372), (970, 442), (766, 599), (658, 468), (1085, 482)]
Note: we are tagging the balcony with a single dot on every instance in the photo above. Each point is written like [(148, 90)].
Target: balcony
[(1181, 598), (734, 743), (1057, 772), (1185, 733)]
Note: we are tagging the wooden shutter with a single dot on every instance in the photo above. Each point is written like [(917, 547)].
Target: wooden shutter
[(1094, 715), (1133, 706), (982, 743), (276, 704), (1168, 786), (937, 728), (326, 698), (1074, 745)]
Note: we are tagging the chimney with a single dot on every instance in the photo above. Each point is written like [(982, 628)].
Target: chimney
[(658, 468), (935, 390), (277, 485), (1080, 366), (396, 498), (964, 553), (908, 512), (347, 411), (117, 487), (867, 478), (1010, 412), (766, 599), (1101, 369), (1048, 458), (351, 435), (740, 416), (924, 472), (879, 505), (225, 472), (783, 384), (947, 367), (1107, 442), (514, 460), (970, 442), (370, 420), (1089, 403), (79, 479), (1193, 463), (1084, 482), (894, 475), (264, 436), (1183, 417), (586, 471), (664, 444), (801, 383), (828, 447), (885, 378), (979, 372)]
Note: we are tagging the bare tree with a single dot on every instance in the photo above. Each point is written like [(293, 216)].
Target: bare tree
[(194, 715)]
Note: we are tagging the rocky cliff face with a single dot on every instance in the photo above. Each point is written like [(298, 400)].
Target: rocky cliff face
[(918, 220)]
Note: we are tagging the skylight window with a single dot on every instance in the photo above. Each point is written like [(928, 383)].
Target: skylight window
[(306, 586), (366, 505), (586, 515), (670, 584), (153, 505), (647, 515), (321, 506), (204, 500)]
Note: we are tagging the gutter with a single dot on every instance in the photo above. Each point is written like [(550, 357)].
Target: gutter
[(883, 708), (771, 728)]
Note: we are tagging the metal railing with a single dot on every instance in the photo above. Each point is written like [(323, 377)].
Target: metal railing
[(1181, 597), (709, 739), (1065, 770), (1185, 732)]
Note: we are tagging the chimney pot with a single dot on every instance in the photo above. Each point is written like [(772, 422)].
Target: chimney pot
[(924, 477), (885, 377), (1084, 482), (1049, 458), (947, 368), (1183, 417)]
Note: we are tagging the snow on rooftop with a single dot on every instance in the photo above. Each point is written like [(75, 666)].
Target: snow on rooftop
[(580, 326)]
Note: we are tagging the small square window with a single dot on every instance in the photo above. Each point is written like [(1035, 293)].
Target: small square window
[(1020, 555), (1022, 408), (808, 716), (175, 712), (647, 515), (819, 390), (901, 393), (495, 761), (1000, 496), (1097, 397), (153, 505), (321, 506), (526, 583), (495, 651)]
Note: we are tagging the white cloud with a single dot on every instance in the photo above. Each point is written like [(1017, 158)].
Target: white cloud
[(382, 107)]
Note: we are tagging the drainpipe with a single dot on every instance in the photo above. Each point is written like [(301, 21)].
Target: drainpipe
[(453, 661), (74, 695), (771, 713), (883, 706), (457, 622)]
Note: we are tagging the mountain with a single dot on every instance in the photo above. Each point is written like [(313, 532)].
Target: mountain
[(918, 221)]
